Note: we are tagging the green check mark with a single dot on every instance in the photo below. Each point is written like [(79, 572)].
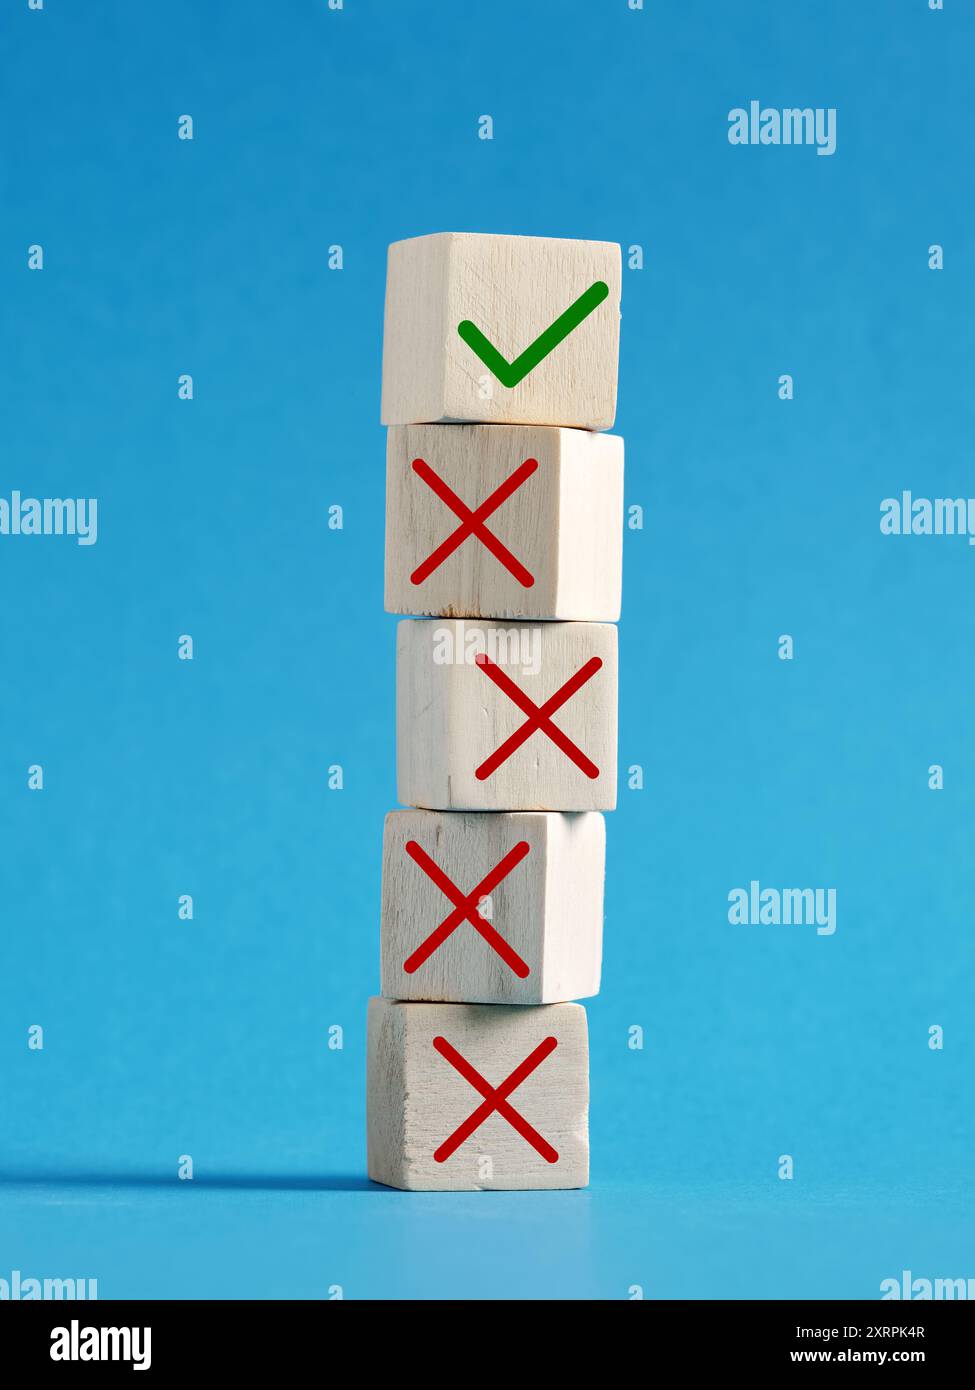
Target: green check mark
[(510, 373)]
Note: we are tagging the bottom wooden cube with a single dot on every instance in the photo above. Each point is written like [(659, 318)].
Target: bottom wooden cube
[(467, 1097)]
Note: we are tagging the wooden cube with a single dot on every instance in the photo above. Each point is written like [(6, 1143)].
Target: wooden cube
[(492, 909), (471, 326), (468, 1097), (514, 718), (550, 547)]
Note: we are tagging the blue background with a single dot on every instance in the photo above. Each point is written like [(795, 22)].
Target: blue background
[(209, 777)]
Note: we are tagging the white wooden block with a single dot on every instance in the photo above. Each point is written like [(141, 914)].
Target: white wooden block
[(469, 697), (531, 881), (431, 1122), (512, 289), (552, 543)]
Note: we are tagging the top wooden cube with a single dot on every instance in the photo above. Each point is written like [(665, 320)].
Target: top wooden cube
[(501, 329)]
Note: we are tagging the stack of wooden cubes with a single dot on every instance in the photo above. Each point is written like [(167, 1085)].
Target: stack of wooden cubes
[(504, 524)]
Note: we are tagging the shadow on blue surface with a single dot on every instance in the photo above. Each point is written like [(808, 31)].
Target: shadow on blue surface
[(258, 1182)]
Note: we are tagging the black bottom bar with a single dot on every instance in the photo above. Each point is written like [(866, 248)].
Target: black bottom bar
[(250, 1337)]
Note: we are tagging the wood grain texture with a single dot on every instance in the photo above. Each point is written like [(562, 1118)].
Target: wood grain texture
[(548, 908), (563, 524), (450, 716), (416, 1099), (512, 288)]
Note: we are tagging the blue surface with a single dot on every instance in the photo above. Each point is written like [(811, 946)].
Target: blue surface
[(209, 777)]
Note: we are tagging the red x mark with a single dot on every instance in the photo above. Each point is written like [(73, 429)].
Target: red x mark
[(495, 1098), (538, 717), (465, 905), (472, 522)]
